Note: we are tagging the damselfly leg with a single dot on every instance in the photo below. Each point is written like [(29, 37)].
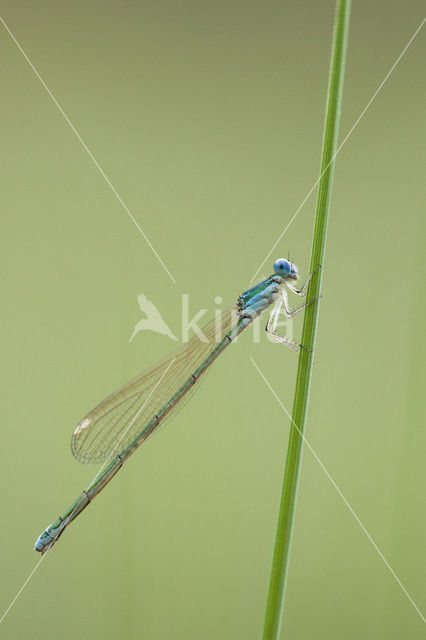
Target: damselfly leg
[(300, 292), (282, 301)]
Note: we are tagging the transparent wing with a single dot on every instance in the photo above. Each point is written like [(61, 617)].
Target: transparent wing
[(116, 421)]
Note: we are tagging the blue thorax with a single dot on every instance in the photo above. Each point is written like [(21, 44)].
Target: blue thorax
[(247, 296)]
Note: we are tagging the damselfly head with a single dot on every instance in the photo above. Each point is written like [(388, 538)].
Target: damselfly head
[(286, 269)]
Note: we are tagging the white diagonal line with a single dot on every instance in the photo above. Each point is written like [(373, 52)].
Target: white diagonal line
[(21, 589), (341, 145), (86, 148), (340, 493)]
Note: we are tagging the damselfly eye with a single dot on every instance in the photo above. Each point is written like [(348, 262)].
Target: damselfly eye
[(282, 267)]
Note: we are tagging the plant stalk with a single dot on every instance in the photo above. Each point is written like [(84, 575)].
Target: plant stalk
[(281, 556)]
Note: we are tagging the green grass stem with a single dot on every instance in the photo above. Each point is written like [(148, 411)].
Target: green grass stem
[(280, 562)]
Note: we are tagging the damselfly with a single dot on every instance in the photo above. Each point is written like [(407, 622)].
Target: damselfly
[(117, 426)]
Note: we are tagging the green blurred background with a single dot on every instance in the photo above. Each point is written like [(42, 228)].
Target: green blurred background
[(207, 118)]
